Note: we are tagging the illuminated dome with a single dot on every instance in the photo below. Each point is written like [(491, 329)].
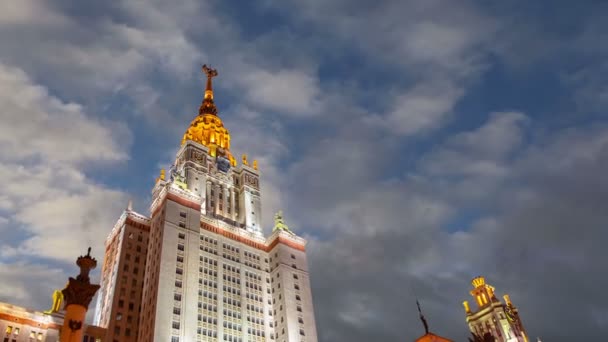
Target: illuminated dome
[(207, 128)]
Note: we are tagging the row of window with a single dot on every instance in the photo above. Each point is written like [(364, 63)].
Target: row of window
[(208, 260), (230, 301), (207, 332), (254, 308), (232, 290), (231, 268), (252, 256), (117, 331), (256, 332)]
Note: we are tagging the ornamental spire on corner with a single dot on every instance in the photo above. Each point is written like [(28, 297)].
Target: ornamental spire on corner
[(208, 107)]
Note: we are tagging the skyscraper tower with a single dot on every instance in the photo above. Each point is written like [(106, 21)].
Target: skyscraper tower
[(122, 277), (501, 320), (210, 274)]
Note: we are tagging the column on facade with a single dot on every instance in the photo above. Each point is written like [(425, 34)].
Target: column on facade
[(216, 198), (207, 196), (232, 208), (225, 203)]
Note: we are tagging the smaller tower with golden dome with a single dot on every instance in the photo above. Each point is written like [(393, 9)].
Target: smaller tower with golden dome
[(501, 320)]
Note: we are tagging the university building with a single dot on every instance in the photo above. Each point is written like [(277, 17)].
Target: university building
[(492, 318), (198, 267)]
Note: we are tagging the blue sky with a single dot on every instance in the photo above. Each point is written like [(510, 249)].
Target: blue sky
[(415, 144)]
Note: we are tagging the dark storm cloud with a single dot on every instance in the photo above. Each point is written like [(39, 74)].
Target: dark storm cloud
[(543, 244)]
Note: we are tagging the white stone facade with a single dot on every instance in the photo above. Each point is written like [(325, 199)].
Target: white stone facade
[(210, 274)]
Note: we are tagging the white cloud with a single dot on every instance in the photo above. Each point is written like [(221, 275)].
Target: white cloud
[(46, 143), (169, 49), (24, 12), (29, 284), (37, 125), (424, 107), (480, 152), (290, 92)]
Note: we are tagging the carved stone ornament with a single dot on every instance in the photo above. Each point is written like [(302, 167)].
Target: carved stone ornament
[(251, 180), (80, 291), (75, 325)]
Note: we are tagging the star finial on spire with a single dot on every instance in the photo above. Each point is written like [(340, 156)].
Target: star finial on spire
[(208, 107), (211, 73)]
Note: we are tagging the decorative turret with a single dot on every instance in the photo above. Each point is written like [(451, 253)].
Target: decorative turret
[(482, 292), (493, 320), (279, 223)]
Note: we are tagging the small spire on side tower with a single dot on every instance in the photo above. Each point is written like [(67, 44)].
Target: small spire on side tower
[(424, 322)]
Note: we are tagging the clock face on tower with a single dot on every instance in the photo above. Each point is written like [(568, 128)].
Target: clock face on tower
[(223, 164)]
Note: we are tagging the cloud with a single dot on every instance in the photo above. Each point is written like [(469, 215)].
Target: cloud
[(424, 107), (323, 94), (29, 283), (46, 146), (389, 245), (437, 53), (290, 92), (37, 125), (483, 152), (27, 11), (590, 87)]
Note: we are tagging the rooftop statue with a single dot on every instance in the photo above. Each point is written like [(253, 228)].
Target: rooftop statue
[(279, 223)]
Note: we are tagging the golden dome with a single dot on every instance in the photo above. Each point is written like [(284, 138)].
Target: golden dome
[(207, 128)]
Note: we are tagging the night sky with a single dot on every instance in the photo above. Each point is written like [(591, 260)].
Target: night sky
[(414, 144)]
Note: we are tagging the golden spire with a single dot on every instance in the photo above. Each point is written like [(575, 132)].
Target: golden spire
[(208, 107), (211, 73), (207, 128)]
